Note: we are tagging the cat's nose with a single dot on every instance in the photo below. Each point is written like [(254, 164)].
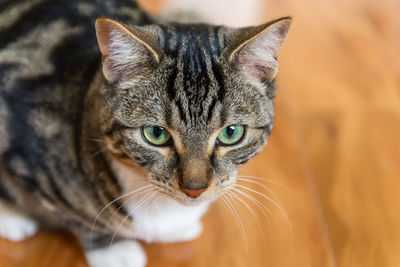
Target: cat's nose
[(193, 193)]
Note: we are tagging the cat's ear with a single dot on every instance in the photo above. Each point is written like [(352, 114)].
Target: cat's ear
[(255, 49), (126, 52)]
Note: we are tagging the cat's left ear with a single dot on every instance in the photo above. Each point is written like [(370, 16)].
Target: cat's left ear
[(127, 51), (255, 50)]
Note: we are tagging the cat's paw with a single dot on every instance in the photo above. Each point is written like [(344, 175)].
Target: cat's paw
[(121, 254), (15, 226)]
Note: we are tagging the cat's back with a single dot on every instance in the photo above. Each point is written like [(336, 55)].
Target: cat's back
[(48, 58), (39, 36), (51, 38)]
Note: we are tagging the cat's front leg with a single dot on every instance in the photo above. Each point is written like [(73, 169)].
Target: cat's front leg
[(14, 225), (121, 254), (101, 250)]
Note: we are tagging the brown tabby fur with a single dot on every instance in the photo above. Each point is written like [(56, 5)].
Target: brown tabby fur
[(64, 117)]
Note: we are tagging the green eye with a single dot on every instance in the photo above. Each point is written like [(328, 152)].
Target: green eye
[(231, 135), (156, 135)]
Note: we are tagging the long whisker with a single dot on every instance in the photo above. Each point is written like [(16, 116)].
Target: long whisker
[(156, 200), (145, 190), (112, 202), (255, 216), (159, 198), (263, 186), (141, 203), (237, 219), (151, 202), (269, 199), (259, 204), (266, 180)]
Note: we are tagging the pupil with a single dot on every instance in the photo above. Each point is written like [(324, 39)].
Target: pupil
[(230, 130), (157, 131)]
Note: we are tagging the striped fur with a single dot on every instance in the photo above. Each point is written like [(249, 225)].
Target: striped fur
[(64, 118)]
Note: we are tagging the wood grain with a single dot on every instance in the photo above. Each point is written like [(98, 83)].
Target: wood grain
[(341, 77), (333, 158)]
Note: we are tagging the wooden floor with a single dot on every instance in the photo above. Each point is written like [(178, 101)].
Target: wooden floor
[(333, 158)]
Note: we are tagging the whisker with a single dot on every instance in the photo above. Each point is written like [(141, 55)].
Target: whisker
[(266, 180), (112, 202), (263, 186), (145, 190), (255, 216), (271, 200), (152, 201), (237, 219), (259, 204), (141, 203)]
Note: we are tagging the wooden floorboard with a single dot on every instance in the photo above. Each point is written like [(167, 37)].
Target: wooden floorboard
[(341, 70)]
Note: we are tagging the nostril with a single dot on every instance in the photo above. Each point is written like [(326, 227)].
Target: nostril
[(193, 192)]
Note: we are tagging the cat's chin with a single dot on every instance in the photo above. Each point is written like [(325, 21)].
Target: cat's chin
[(194, 202)]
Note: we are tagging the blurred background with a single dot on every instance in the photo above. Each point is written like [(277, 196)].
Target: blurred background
[(330, 176)]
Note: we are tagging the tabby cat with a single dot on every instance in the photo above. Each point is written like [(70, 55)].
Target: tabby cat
[(125, 129)]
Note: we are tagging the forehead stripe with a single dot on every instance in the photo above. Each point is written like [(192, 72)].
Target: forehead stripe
[(196, 49), (171, 83)]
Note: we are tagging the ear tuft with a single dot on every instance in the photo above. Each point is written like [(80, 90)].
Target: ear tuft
[(125, 54), (256, 56)]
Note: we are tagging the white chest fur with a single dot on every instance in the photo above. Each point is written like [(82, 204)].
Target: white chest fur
[(161, 218)]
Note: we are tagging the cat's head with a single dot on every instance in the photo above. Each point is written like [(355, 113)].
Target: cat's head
[(189, 103)]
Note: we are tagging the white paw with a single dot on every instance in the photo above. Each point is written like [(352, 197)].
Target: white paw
[(15, 226), (121, 254)]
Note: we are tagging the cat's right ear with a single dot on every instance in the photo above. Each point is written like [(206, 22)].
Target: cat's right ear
[(125, 51), (255, 50)]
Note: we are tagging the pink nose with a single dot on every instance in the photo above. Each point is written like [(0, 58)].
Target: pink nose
[(193, 192)]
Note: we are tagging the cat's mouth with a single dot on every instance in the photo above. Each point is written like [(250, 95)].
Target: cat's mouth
[(135, 179), (207, 195), (183, 198)]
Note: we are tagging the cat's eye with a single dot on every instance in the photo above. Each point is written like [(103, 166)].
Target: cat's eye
[(156, 135), (231, 135)]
